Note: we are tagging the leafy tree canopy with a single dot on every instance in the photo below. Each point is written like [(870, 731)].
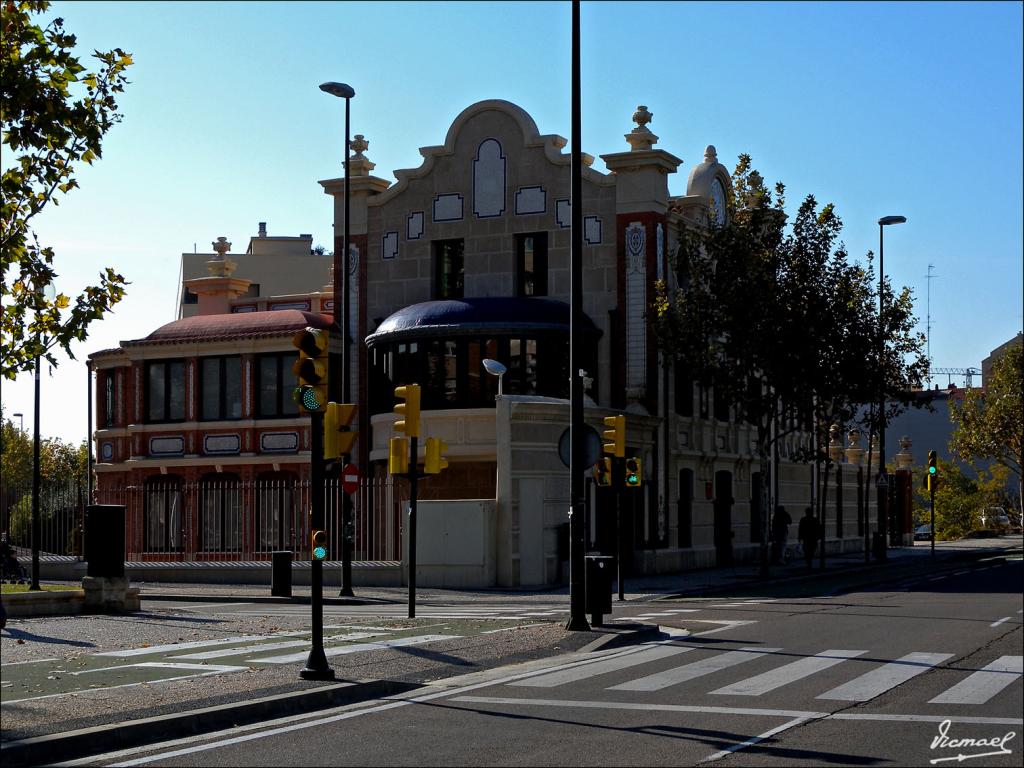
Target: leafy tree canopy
[(54, 114)]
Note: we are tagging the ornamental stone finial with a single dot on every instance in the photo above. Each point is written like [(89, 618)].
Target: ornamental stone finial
[(710, 154), (221, 247), (642, 117), (359, 144)]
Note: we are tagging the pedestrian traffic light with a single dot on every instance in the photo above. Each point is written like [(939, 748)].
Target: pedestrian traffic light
[(338, 442), (603, 471), (318, 545), (409, 411), (932, 478), (615, 438), (634, 476), (398, 455), (311, 368), (434, 462)]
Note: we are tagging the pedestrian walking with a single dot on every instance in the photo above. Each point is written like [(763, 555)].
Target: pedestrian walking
[(780, 533), (809, 532)]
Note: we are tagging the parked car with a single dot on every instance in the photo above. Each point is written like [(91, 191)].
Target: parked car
[(995, 519), (923, 533)]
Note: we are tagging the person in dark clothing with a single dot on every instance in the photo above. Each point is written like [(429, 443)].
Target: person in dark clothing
[(809, 532), (780, 532)]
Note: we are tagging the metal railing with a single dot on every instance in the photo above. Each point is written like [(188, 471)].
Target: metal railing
[(61, 512), (228, 520)]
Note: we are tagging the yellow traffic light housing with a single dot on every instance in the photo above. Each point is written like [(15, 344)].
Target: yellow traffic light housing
[(318, 545), (615, 438), (634, 473), (932, 478), (434, 461), (603, 472), (409, 411), (311, 368), (398, 455), (338, 443)]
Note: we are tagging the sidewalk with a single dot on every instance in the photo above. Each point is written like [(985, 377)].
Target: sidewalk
[(40, 728)]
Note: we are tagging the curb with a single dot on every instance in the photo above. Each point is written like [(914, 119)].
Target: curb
[(622, 634), (295, 599), (44, 750)]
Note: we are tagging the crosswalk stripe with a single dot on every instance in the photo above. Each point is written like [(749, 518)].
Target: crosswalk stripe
[(985, 683), (340, 650), (693, 670), (221, 652), (150, 649), (878, 681), (625, 661), (788, 673)]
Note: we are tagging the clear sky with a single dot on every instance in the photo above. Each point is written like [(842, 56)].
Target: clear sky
[(881, 108)]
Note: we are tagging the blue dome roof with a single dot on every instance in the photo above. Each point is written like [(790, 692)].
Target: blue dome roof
[(493, 316)]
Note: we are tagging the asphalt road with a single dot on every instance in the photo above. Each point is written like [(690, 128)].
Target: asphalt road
[(925, 671)]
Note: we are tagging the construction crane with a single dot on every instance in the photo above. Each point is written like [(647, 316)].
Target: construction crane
[(967, 373)]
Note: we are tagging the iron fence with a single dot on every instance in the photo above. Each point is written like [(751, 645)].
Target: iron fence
[(61, 512), (233, 520)]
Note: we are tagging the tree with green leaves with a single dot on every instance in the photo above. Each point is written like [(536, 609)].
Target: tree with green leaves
[(989, 424), (54, 115), (780, 322)]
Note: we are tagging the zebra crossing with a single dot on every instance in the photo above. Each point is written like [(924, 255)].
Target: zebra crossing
[(977, 688)]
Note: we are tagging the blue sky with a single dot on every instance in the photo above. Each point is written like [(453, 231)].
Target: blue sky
[(881, 108)]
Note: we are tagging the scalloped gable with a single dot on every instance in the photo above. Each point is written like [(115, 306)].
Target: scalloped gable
[(551, 143)]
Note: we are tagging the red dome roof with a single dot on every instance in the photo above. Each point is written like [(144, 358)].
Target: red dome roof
[(238, 325)]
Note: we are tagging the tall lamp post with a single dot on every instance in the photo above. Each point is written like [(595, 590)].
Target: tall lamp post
[(342, 394), (883, 478), (21, 421), (49, 292)]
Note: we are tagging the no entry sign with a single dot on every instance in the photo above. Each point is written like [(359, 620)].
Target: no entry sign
[(350, 478)]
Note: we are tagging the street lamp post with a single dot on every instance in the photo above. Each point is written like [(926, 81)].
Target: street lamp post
[(21, 421), (883, 485), (49, 292), (341, 300)]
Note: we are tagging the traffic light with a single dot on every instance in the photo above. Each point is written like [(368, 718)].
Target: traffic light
[(615, 438), (311, 368), (603, 471), (318, 545), (434, 462), (634, 475), (931, 480), (409, 410), (336, 442), (398, 455)]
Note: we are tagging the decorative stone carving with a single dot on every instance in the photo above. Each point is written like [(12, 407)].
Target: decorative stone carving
[(904, 459), (835, 444), (641, 138), (220, 265), (854, 453), (358, 144)]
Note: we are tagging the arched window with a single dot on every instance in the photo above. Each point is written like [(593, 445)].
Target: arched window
[(220, 514), (162, 514)]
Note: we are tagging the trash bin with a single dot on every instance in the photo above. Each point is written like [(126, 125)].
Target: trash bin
[(600, 575), (104, 540), (878, 545), (281, 573)]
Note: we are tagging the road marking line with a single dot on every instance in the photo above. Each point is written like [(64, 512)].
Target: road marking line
[(756, 739), (685, 672), (517, 626), (564, 676), (997, 623), (985, 683), (788, 673), (878, 681), (936, 578), (197, 644), (342, 650), (30, 661), (240, 649)]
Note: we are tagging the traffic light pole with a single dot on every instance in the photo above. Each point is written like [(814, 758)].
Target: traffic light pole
[(413, 477), (931, 493), (619, 466), (316, 667)]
